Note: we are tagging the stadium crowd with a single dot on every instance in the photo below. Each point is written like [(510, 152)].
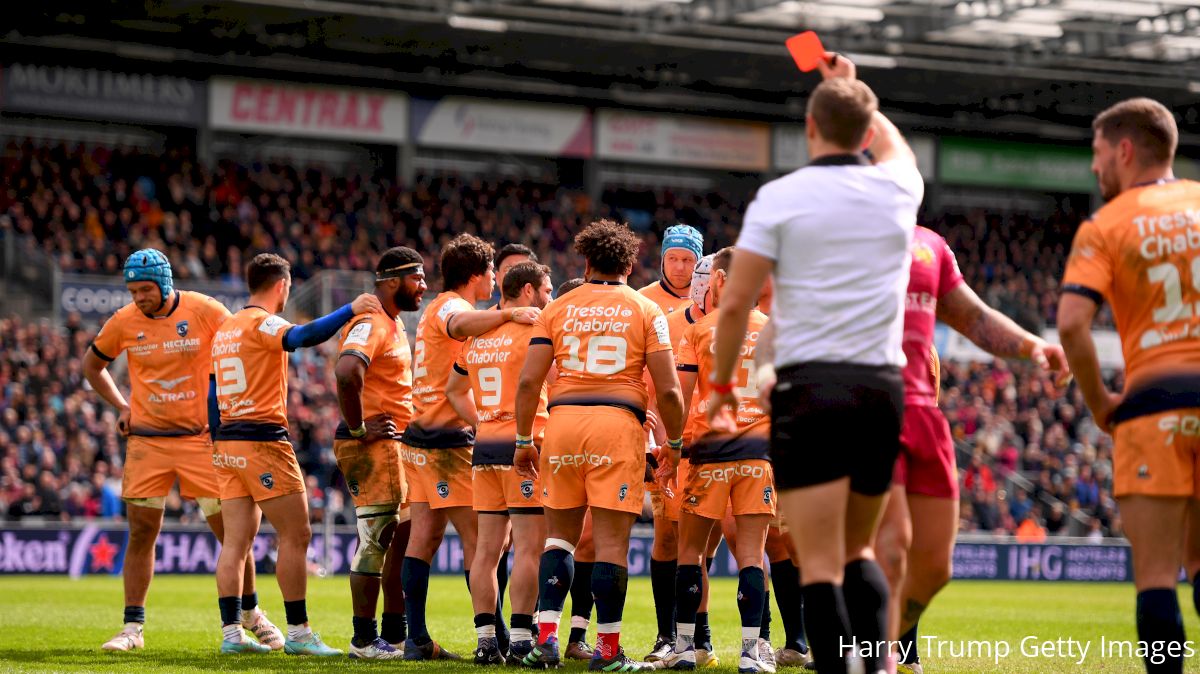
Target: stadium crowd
[(1031, 458)]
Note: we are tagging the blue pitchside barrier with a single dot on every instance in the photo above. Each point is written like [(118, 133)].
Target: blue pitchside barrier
[(83, 549)]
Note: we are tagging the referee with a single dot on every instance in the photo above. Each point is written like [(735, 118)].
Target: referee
[(835, 237)]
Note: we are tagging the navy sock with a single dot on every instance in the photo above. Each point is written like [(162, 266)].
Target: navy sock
[(908, 644), (482, 619), (137, 614), (581, 599), (609, 583), (765, 631), (752, 589), (231, 610), (501, 585), (364, 631), (662, 586), (785, 582), (296, 612), (414, 576), (827, 626), (688, 592), (1159, 620), (708, 563), (554, 577), (250, 601), (865, 591), (394, 628), (703, 631), (522, 621)]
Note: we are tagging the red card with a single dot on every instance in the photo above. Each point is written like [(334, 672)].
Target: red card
[(806, 50)]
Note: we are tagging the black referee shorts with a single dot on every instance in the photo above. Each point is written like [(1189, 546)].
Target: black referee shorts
[(836, 420)]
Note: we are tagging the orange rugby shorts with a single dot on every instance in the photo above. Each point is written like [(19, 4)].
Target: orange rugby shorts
[(374, 473), (1156, 455), (747, 487), (593, 456), (259, 469), (500, 489), (153, 463), (439, 477)]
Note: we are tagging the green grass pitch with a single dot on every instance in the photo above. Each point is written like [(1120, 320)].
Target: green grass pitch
[(57, 625)]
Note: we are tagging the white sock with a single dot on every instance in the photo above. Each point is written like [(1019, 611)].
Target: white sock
[(685, 636), (233, 633), (298, 632), (579, 622), (137, 627), (486, 631), (520, 634), (750, 640)]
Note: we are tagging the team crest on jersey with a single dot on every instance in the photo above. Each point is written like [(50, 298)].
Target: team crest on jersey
[(622, 492), (141, 337), (692, 500), (527, 489), (182, 328), (352, 485), (922, 253), (443, 489), (267, 480), (767, 495)]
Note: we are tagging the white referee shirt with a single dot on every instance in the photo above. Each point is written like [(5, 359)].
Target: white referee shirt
[(839, 231)]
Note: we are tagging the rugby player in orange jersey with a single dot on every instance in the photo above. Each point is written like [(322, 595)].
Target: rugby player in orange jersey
[(374, 384), (436, 446), (601, 337), (257, 469), (682, 247), (483, 390), (728, 470), (167, 423), (1139, 253)]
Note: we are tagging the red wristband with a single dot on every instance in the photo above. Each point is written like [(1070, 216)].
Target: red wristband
[(721, 389)]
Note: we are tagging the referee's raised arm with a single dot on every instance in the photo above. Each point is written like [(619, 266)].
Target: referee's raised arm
[(835, 237)]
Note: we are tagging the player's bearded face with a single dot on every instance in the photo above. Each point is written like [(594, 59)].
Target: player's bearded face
[(146, 296), (543, 295), (1104, 165), (409, 292)]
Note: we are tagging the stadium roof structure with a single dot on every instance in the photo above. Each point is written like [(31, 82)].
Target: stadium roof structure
[(1039, 67)]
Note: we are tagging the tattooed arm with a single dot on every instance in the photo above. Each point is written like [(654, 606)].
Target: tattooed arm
[(996, 333)]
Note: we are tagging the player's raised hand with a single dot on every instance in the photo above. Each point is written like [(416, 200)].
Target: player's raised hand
[(365, 302), (837, 65), (526, 315), (379, 427), (123, 421), (525, 460)]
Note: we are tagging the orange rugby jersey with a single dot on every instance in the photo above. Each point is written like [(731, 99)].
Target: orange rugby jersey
[(1141, 253), (601, 333), (436, 425), (251, 364), (169, 362), (696, 353), (493, 362), (677, 323), (379, 340), (665, 298)]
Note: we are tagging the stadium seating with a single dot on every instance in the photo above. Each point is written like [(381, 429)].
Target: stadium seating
[(1026, 450)]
